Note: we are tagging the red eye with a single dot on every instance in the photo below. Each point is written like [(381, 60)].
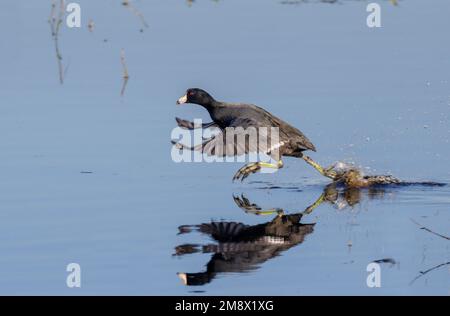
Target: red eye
[(191, 93)]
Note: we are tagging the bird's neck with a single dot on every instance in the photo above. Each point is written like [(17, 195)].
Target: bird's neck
[(212, 106)]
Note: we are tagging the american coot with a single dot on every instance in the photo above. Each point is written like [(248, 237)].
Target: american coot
[(290, 141)]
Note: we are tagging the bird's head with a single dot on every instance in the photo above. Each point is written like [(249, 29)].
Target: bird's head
[(196, 96)]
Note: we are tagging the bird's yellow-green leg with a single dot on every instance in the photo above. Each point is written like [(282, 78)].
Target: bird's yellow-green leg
[(271, 211), (243, 203), (329, 172), (254, 167), (313, 206)]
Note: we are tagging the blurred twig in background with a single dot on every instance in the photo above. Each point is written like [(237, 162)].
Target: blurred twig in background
[(91, 25), (429, 230), (127, 4), (125, 75), (422, 273), (55, 20)]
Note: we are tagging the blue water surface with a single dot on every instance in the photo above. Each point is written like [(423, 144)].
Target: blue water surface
[(87, 174)]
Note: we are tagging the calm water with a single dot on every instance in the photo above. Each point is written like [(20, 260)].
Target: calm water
[(87, 176)]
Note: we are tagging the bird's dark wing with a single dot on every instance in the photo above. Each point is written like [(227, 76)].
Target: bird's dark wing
[(290, 137), (288, 133), (244, 136), (241, 137)]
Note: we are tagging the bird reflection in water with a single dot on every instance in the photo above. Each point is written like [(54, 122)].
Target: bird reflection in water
[(242, 248), (345, 197)]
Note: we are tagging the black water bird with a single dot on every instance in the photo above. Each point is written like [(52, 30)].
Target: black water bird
[(239, 118)]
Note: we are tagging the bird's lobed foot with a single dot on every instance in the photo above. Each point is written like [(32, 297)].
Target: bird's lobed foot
[(331, 173), (247, 170)]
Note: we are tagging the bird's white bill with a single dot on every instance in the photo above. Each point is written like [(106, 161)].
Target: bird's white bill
[(182, 100), (183, 277)]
